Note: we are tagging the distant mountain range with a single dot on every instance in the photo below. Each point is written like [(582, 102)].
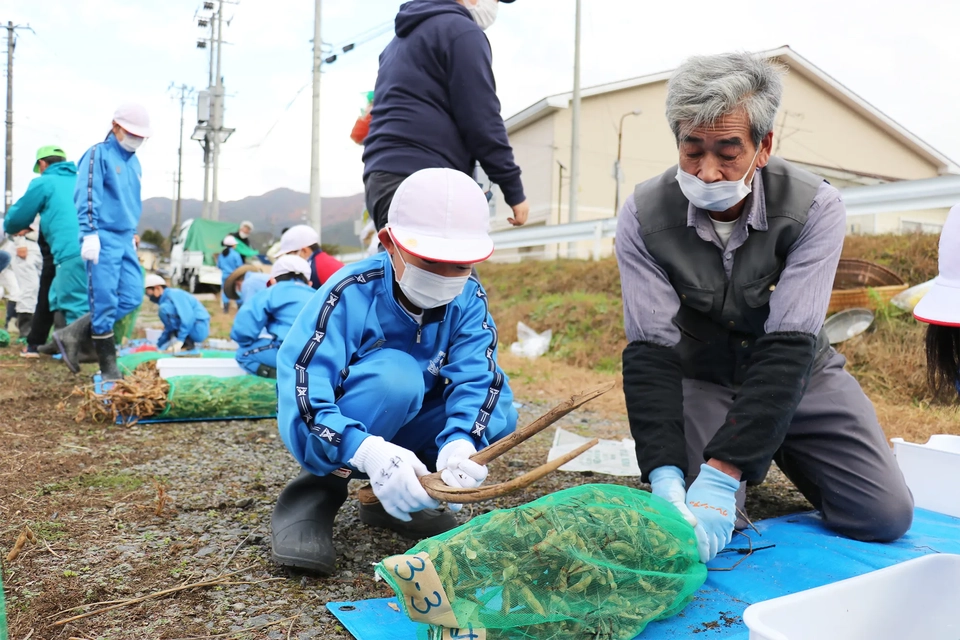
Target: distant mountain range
[(270, 213)]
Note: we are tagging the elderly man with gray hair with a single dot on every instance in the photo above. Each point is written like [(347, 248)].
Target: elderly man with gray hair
[(727, 261)]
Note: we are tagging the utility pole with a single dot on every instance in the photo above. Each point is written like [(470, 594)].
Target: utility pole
[(575, 129), (207, 139), (315, 133), (185, 92), (217, 119)]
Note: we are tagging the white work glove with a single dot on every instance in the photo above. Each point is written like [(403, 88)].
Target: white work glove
[(90, 249), (394, 475), (175, 346), (668, 483), (457, 469)]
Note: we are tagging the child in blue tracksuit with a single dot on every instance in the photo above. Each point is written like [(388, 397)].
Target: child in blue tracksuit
[(390, 370), (107, 197), (262, 323), (228, 261), (185, 322)]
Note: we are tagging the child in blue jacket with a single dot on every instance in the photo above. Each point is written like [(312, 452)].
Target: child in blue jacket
[(185, 322), (228, 261), (264, 321), (389, 371)]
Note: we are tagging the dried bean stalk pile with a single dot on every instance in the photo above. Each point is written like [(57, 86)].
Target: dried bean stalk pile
[(595, 561)]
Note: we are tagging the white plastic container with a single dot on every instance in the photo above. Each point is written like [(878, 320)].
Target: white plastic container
[(153, 335), (216, 367), (220, 343), (932, 472), (914, 600)]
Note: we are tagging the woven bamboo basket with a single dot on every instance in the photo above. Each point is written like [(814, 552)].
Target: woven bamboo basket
[(854, 281)]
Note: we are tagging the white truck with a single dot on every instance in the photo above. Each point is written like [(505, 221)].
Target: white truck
[(193, 254)]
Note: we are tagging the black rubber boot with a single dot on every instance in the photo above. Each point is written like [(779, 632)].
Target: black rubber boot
[(107, 355), (302, 522), (24, 320), (423, 524), (70, 341), (188, 344), (265, 371)]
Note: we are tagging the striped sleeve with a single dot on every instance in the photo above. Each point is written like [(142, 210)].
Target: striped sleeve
[(476, 382), (88, 193)]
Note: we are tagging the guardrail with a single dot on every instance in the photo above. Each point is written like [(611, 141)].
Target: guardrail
[(906, 195)]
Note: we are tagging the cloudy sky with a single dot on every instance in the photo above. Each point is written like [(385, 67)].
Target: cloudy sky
[(88, 56)]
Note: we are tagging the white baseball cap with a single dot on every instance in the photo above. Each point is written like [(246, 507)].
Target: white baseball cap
[(941, 305), (441, 215), (290, 264), (298, 237), (247, 223), (229, 241), (133, 118), (153, 280)]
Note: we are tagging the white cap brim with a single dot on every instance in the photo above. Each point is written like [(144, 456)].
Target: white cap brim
[(137, 130), (436, 249), (941, 305)]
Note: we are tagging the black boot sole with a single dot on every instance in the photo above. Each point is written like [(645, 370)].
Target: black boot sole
[(74, 367), (423, 524)]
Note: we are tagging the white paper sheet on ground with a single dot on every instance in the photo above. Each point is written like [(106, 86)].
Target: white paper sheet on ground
[(611, 457)]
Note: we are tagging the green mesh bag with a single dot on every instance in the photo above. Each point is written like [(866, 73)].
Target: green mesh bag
[(3, 612), (4, 338), (211, 397), (595, 561)]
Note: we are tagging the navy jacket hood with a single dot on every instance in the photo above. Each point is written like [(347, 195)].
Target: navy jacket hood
[(412, 14)]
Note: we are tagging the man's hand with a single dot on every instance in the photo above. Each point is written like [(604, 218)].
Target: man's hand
[(712, 500), (22, 253), (395, 475), (136, 241), (90, 248), (520, 213), (668, 483), (457, 469)]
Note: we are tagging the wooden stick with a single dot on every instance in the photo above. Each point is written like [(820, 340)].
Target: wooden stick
[(440, 490), (231, 634), (206, 583)]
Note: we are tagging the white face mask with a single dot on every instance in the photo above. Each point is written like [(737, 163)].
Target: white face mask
[(131, 142), (714, 196), (484, 12), (428, 290)]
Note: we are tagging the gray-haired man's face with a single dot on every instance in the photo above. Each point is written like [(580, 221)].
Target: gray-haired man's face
[(723, 151)]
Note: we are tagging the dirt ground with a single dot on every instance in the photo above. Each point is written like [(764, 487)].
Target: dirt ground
[(92, 494)]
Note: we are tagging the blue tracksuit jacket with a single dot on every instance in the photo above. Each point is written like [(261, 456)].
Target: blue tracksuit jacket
[(253, 283), (227, 265), (273, 310), (107, 197), (182, 316), (355, 315)]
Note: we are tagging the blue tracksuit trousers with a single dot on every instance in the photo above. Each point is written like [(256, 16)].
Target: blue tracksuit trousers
[(384, 391), (115, 283), (262, 351)]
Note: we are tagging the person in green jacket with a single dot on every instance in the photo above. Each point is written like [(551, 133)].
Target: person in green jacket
[(51, 197)]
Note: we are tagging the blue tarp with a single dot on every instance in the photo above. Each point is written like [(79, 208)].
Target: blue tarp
[(806, 555)]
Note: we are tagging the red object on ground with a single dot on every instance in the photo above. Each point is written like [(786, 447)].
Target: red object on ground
[(144, 347)]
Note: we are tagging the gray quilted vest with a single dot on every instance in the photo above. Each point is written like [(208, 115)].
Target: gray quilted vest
[(720, 320)]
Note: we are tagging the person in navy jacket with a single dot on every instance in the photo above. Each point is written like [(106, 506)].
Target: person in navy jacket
[(435, 104), (390, 371)]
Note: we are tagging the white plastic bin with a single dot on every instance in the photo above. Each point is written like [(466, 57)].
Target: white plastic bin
[(224, 345), (913, 600), (216, 367), (153, 335), (932, 472)]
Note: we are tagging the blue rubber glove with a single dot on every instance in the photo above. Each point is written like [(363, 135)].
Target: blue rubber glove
[(668, 483), (712, 499)]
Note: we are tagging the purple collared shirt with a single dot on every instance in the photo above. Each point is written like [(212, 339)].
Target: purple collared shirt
[(799, 302)]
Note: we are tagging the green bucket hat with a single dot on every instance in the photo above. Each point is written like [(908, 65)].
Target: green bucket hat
[(46, 152)]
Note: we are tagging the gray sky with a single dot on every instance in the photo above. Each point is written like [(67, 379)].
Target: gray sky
[(89, 56)]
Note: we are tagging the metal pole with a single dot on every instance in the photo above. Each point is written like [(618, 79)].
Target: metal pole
[(176, 220), (616, 166), (575, 130), (217, 119), (207, 145), (8, 179), (315, 134)]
